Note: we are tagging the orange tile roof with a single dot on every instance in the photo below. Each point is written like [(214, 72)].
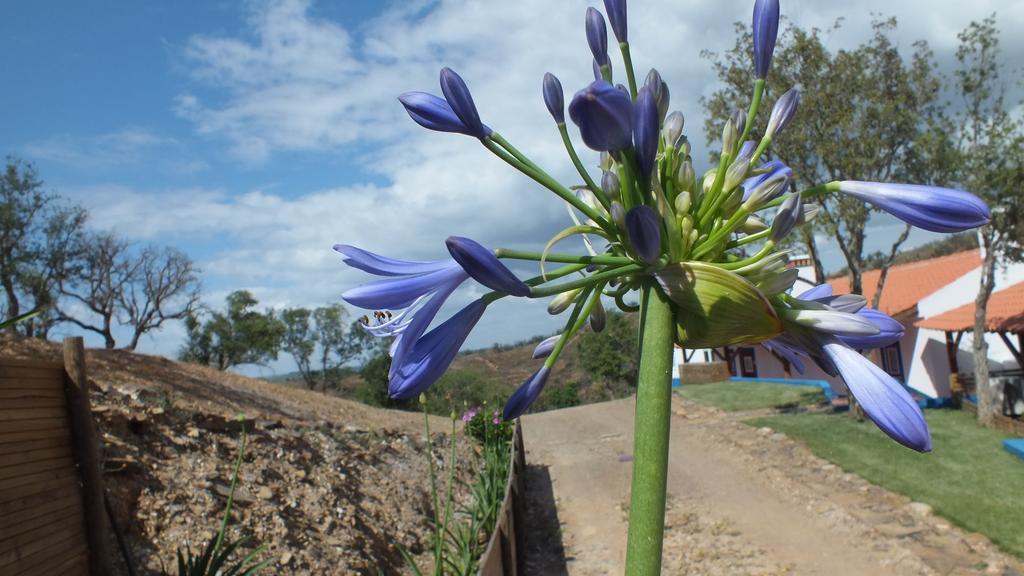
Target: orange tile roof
[(908, 283), (1005, 313)]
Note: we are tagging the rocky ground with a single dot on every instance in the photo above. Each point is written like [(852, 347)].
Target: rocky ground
[(327, 486)]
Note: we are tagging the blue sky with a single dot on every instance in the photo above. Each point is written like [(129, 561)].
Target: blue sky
[(255, 135)]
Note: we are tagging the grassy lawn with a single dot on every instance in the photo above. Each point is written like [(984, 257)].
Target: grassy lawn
[(736, 396), (968, 478)]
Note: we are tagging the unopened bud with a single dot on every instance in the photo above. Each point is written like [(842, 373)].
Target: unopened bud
[(610, 184), (685, 176), (562, 302), (660, 90), (683, 203), (739, 118), (598, 318), (753, 225), (736, 173), (729, 136), (619, 215), (672, 131), (709, 180)]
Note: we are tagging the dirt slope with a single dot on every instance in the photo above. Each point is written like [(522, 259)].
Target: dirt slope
[(328, 485)]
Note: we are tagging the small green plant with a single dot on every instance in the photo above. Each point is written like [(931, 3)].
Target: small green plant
[(486, 426), (215, 559)]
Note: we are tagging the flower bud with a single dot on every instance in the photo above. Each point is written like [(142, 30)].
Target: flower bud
[(765, 31), (672, 131), (610, 184), (553, 97), (645, 130), (604, 115), (660, 90), (561, 302), (597, 36), (526, 394), (484, 267), (729, 136), (435, 113), (618, 213), (685, 176), (808, 214), (927, 207), (643, 230), (783, 112), (753, 225), (543, 350), (708, 180), (778, 283), (736, 173), (605, 161), (831, 322), (598, 318), (786, 218), (457, 94), (747, 150), (683, 203), (616, 10), (739, 118)]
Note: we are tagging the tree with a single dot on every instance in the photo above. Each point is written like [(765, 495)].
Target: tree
[(992, 165), (165, 287), (300, 341), (610, 356), (240, 335), (868, 115), (323, 331), (107, 270)]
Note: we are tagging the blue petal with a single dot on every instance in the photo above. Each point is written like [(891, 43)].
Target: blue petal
[(484, 267), (819, 291), (526, 394), (766, 29), (401, 291), (384, 266), (883, 399), (597, 36), (787, 352), (421, 319), (604, 115), (783, 112), (927, 207), (645, 130), (643, 230), (890, 331), (432, 112), (775, 169), (543, 350), (553, 97), (616, 10), (461, 101), (431, 354)]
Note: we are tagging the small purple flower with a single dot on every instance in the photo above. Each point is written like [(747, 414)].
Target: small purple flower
[(435, 113), (526, 394), (616, 10), (747, 150), (786, 218), (927, 207), (769, 185), (543, 350), (597, 36), (484, 267), (783, 112), (643, 229), (604, 115), (660, 90), (457, 94), (766, 29), (553, 97), (883, 399), (645, 130), (890, 331)]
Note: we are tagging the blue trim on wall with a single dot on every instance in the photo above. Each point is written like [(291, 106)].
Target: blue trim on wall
[(1015, 447)]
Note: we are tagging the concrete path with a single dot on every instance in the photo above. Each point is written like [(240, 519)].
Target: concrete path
[(741, 501)]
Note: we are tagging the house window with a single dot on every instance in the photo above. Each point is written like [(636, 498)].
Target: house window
[(892, 361), (748, 363)]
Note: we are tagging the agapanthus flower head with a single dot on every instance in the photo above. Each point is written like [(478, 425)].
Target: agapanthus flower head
[(616, 10), (645, 130), (597, 36), (435, 113), (553, 97), (457, 94), (484, 267), (604, 115), (927, 207), (526, 394), (766, 30)]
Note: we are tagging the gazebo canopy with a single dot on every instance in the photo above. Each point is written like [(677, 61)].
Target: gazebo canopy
[(1005, 313)]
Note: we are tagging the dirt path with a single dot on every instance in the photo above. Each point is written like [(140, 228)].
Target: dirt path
[(741, 501)]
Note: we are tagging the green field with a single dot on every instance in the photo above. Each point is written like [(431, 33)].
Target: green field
[(968, 478), (737, 396)]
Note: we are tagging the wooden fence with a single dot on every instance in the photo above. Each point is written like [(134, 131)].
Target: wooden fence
[(52, 516), (503, 556)]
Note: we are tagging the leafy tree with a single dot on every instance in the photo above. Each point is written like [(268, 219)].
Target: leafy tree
[(869, 115), (299, 341), (992, 165), (240, 335), (323, 332), (610, 356)]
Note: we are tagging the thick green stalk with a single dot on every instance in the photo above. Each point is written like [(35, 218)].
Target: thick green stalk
[(608, 274), (553, 257), (755, 104), (651, 436)]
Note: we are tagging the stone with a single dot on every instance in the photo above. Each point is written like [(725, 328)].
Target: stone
[(265, 493), (920, 509), (286, 558)]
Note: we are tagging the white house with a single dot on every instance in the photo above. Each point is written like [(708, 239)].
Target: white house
[(934, 300)]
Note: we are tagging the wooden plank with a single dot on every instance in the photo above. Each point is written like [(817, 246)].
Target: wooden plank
[(28, 494), (29, 456), (40, 497), (33, 402), (70, 559), (21, 391), (16, 363), (67, 468), (40, 516), (8, 448), (8, 414), (63, 432), (32, 372), (36, 424), (41, 539), (44, 465)]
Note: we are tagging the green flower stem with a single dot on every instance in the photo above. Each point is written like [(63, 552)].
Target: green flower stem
[(553, 257), (627, 60), (763, 145), (806, 194), (748, 239), (591, 280), (651, 427), (597, 190), (606, 73), (721, 232), (755, 104), (764, 251), (708, 206), (522, 164), (538, 280), (579, 317)]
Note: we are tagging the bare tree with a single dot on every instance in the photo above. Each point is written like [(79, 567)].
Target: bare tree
[(165, 286), (107, 270)]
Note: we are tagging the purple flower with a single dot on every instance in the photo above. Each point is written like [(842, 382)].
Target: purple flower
[(604, 115), (769, 185), (435, 113), (783, 112), (927, 207), (643, 229), (788, 353), (553, 98), (484, 267), (890, 331), (597, 36), (660, 91), (543, 350), (616, 10), (766, 29), (526, 394), (645, 130), (457, 94), (786, 218), (883, 399)]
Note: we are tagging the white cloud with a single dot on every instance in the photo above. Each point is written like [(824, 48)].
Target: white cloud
[(117, 150)]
